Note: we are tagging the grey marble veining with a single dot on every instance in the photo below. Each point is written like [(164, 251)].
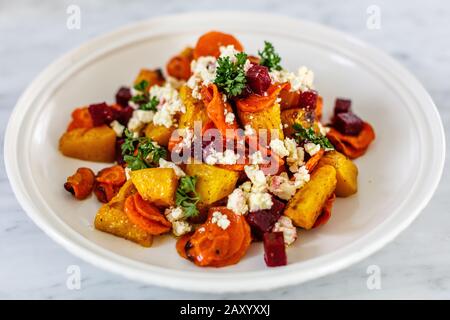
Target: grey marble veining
[(33, 33)]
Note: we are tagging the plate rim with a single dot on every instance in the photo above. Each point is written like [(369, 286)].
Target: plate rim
[(286, 276)]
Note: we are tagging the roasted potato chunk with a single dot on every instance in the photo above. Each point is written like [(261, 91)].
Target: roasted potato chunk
[(195, 109), (213, 183), (306, 205), (94, 144), (111, 218), (153, 77), (157, 185), (160, 134), (346, 172), (266, 119)]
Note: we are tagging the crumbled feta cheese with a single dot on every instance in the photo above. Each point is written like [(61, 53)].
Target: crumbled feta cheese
[(302, 80), (237, 202), (301, 177), (247, 65), (134, 124), (246, 186), (144, 116), (259, 201), (169, 104), (117, 127), (257, 177), (278, 147), (229, 117), (226, 157), (228, 51), (323, 130), (282, 187), (296, 154), (248, 130), (312, 148), (203, 73), (174, 213), (128, 173), (284, 224), (174, 82), (220, 219), (181, 227), (167, 164), (256, 158)]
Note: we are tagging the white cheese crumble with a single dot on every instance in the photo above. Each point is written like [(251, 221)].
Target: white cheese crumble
[(117, 127), (174, 213), (229, 116), (169, 104), (301, 177), (302, 80), (168, 164), (256, 158), (220, 219), (226, 157), (203, 73), (284, 224), (312, 148), (282, 187), (181, 227), (296, 154), (257, 178), (237, 202), (128, 173), (259, 201), (278, 147), (248, 130)]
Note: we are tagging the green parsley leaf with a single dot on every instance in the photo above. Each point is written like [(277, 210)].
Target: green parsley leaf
[(269, 57), (142, 86), (151, 105), (230, 76), (187, 197), (147, 156), (311, 136)]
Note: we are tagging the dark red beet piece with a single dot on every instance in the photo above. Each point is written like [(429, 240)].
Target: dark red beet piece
[(101, 114), (308, 100), (274, 249), (124, 115), (258, 78), (123, 95), (348, 123), (262, 221), (342, 105)]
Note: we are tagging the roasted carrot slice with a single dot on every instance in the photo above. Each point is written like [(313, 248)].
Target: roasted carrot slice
[(256, 102), (181, 244), (352, 146), (81, 118), (314, 160), (289, 99), (114, 175), (179, 67), (105, 191), (150, 226), (80, 184), (149, 211), (209, 44), (326, 212)]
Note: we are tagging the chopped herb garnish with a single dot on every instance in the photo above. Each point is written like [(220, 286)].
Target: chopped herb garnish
[(187, 197), (143, 99), (269, 57), (151, 105), (311, 136), (230, 76), (142, 86), (141, 153)]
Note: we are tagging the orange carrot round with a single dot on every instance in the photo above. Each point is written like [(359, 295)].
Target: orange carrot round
[(81, 118), (352, 146), (179, 67), (209, 44), (80, 184), (114, 175), (256, 103), (314, 160), (149, 211)]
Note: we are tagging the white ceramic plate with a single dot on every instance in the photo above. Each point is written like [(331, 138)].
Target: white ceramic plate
[(398, 175)]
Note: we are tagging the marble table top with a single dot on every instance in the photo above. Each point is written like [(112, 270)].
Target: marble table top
[(33, 33)]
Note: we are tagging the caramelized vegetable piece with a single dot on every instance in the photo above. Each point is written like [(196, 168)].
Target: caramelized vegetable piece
[(348, 123), (326, 212), (179, 67), (146, 216), (80, 184), (211, 245), (181, 244), (195, 109), (114, 175), (209, 44), (81, 118), (289, 99), (314, 160), (159, 133), (157, 185), (352, 146), (153, 77), (274, 249), (255, 102), (104, 191), (262, 221), (342, 105)]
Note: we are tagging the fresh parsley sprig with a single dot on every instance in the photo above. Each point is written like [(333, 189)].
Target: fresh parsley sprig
[(187, 197), (269, 57), (311, 136), (141, 153), (143, 99), (230, 76)]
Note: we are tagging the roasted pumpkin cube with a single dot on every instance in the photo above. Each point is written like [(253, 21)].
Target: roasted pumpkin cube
[(306, 205), (153, 77), (268, 119), (157, 185), (160, 134), (94, 144), (195, 109), (213, 183), (346, 172)]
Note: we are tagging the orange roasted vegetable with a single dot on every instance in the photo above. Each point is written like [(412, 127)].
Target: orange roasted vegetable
[(209, 44), (181, 244), (81, 118), (179, 67), (211, 245), (255, 102), (80, 184), (146, 216), (289, 99), (352, 146), (314, 160), (215, 108), (108, 182), (326, 212)]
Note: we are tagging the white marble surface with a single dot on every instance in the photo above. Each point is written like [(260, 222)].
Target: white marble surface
[(33, 33)]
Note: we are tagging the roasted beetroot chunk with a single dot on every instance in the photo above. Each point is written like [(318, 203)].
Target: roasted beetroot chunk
[(274, 249), (123, 95), (258, 78), (308, 100), (348, 123), (262, 221), (342, 105), (124, 115), (102, 114)]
